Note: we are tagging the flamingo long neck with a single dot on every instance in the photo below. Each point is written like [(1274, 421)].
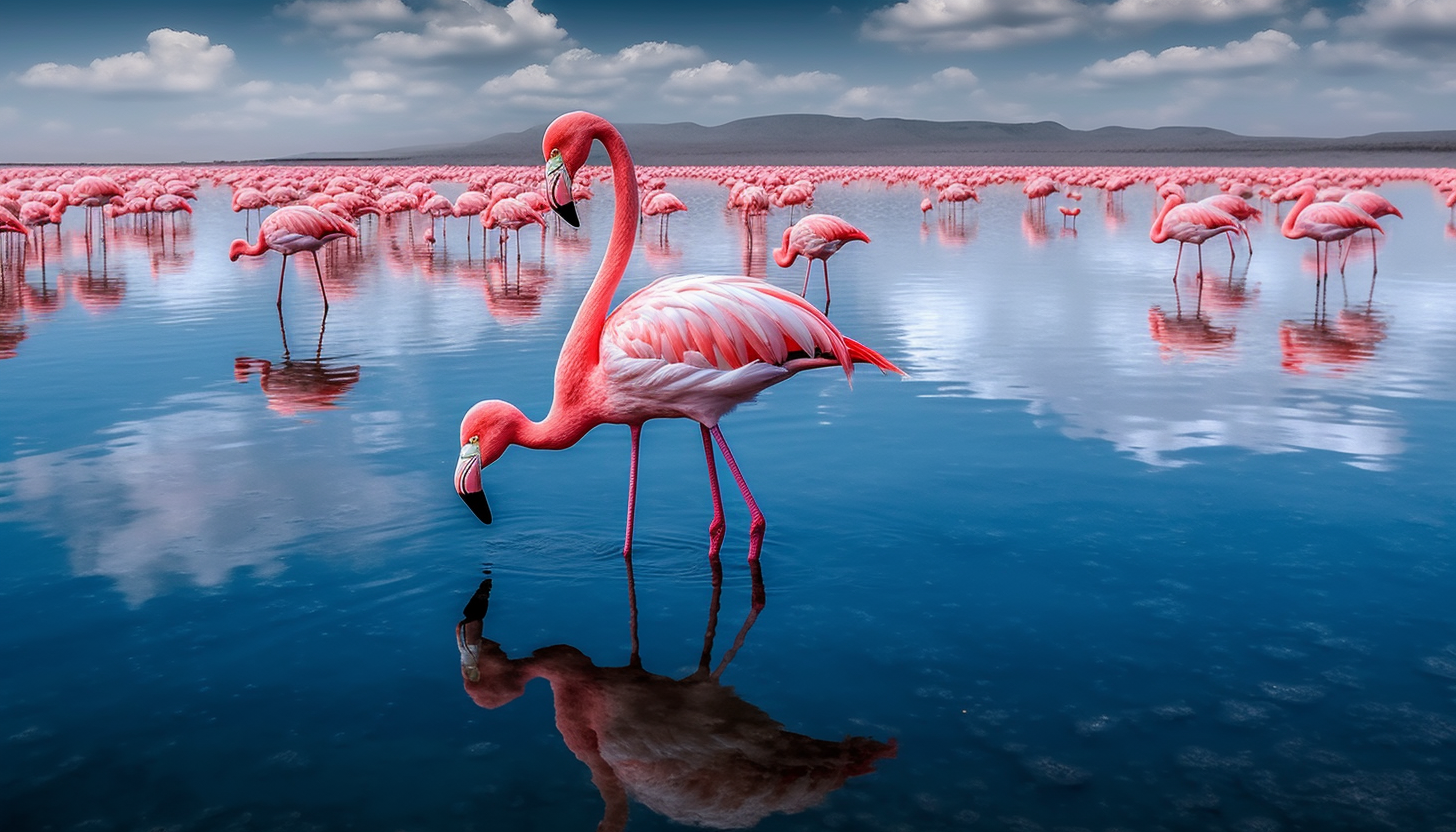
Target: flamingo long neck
[(1306, 197), (255, 249), (1157, 234), (581, 351)]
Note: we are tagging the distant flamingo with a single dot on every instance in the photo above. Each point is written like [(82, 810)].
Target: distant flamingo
[(1071, 213), (1238, 208), (682, 347), (663, 205), (1376, 206), (292, 229), (1189, 223), (925, 206), (510, 214), (816, 237)]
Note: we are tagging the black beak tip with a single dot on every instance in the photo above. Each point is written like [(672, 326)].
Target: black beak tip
[(478, 505), (568, 213)]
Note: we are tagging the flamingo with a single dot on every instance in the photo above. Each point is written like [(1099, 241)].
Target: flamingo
[(1376, 206), (817, 237), (292, 229), (1323, 222), (1071, 213), (1189, 222), (1238, 208), (691, 347)]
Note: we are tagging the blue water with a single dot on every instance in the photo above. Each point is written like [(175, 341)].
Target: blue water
[(1070, 575)]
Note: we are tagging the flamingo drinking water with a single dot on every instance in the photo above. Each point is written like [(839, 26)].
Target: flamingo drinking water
[(690, 347)]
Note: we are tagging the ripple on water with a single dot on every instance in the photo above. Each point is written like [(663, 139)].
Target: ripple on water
[(1296, 694)]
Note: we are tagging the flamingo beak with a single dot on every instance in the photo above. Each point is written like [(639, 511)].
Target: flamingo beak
[(467, 480), (558, 189)]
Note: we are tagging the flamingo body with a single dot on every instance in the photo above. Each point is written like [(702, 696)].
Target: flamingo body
[(816, 237), (293, 229)]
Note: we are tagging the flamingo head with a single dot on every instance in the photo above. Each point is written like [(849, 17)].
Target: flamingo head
[(486, 431), (565, 147), (559, 189), (784, 255)]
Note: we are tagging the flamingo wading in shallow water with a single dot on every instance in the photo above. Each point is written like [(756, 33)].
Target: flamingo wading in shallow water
[(293, 229), (816, 237), (690, 347)]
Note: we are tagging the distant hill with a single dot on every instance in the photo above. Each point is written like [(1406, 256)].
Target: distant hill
[(833, 140)]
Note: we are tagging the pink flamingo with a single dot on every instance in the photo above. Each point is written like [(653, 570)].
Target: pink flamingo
[(1238, 208), (1323, 222), (663, 205), (510, 214), (292, 229), (1069, 212), (682, 347), (1376, 206), (1189, 222), (926, 206), (816, 237)]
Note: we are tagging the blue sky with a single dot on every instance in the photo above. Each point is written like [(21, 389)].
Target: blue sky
[(162, 80)]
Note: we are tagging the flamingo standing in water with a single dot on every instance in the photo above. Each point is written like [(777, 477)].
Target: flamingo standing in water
[(690, 347), (816, 237), (1189, 222), (292, 229), (1323, 222)]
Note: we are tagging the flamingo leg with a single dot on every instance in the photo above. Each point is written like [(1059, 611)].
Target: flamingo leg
[(320, 270), (632, 490), (825, 261), (804, 293), (1177, 262), (719, 526), (280, 281), (756, 524)]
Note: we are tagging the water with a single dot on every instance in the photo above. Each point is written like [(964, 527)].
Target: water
[(1068, 574)]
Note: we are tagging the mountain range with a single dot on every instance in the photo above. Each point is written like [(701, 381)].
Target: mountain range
[(835, 140)]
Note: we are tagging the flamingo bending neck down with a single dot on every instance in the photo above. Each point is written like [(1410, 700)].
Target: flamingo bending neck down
[(1187, 222), (290, 230), (1324, 222), (816, 237), (682, 347)]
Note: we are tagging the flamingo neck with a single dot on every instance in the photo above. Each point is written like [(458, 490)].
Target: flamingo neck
[(581, 352), (1157, 234), (241, 247), (1306, 197), (783, 255)]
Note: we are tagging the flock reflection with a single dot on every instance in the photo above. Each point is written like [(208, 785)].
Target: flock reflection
[(689, 749)]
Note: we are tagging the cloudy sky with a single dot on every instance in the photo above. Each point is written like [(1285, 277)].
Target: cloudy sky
[(174, 80)]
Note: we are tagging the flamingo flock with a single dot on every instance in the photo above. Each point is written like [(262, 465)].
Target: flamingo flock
[(691, 346)]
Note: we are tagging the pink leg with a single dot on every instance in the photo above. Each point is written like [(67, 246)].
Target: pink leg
[(756, 524), (1176, 263), (805, 292), (632, 490), (320, 270), (719, 526)]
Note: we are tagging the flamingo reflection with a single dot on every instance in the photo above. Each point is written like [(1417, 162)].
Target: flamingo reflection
[(1341, 346), (513, 291), (295, 387), (689, 749), (1191, 336)]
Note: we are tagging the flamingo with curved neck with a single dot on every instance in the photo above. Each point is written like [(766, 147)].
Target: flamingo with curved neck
[(692, 347), (1189, 222), (292, 229), (1323, 222)]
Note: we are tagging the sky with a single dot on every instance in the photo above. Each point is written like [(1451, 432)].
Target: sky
[(177, 80)]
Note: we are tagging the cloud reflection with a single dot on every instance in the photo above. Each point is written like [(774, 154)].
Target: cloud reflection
[(192, 495)]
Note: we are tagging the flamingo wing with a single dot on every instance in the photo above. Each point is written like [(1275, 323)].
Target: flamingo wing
[(698, 346)]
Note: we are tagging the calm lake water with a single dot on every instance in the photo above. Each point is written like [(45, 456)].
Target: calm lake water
[(1114, 556)]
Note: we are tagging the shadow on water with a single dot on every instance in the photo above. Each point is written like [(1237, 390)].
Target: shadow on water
[(689, 749)]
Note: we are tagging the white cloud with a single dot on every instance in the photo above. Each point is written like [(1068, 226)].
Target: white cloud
[(1190, 11), (1352, 57), (464, 31), (973, 24), (1315, 19), (581, 77), (730, 83), (1405, 20), (1267, 48), (179, 62), (349, 18)]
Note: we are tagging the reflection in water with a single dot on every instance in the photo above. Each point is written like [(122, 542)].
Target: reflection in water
[(1341, 346), (955, 230), (98, 291), (754, 243), (513, 291), (295, 387), (1191, 336), (1034, 225), (689, 749)]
